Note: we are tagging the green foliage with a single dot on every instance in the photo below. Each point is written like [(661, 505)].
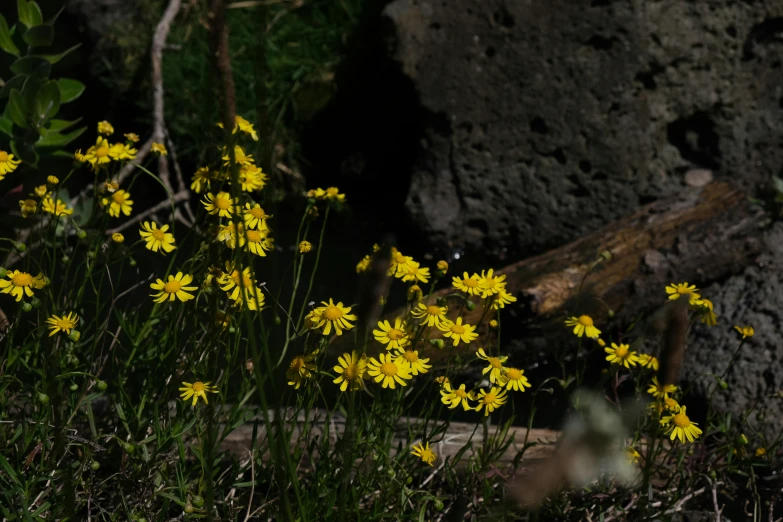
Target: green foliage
[(33, 99)]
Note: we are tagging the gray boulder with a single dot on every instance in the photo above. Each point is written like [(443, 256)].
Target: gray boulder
[(561, 116)]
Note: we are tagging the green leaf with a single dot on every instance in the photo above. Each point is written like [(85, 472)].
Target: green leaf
[(54, 58), (24, 152), (16, 109), (6, 42), (14, 83), (28, 64), (7, 127), (69, 89), (61, 125), (29, 13), (52, 139), (6, 466), (53, 19), (47, 102), (39, 36), (30, 92)]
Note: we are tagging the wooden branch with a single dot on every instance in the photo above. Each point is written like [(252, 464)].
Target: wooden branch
[(179, 197), (218, 44)]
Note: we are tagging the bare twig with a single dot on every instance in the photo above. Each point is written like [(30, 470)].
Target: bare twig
[(218, 44), (179, 197), (252, 485), (718, 510)]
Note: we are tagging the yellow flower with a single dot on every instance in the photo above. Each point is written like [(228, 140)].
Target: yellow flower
[(491, 285), (220, 204), (335, 315), (442, 266), (117, 237), (239, 156), (398, 262), (159, 148), (245, 126), (258, 242), (601, 343), (255, 217), (621, 355), (98, 154), (201, 179), (424, 453), (412, 272), (132, 137), (251, 178), (708, 316), (121, 151), (7, 163), (52, 180), (78, 156), (491, 400), (432, 315), (660, 391), (392, 336), (457, 331), (454, 397), (443, 381), (648, 361), (157, 238), (58, 209), (350, 371), (761, 452), (196, 390), (300, 368), (305, 247), (495, 366), (333, 194), (28, 207), (363, 265), (632, 455), (671, 405), (385, 371), (104, 127), (20, 284), (411, 358), (494, 324), (746, 331), (120, 202), (514, 379), (414, 293), (64, 324), (468, 284), (176, 286), (681, 427), (503, 298), (583, 325), (109, 186), (312, 319), (41, 191), (676, 290), (230, 281)]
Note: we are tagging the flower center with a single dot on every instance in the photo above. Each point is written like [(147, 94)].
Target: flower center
[(460, 393), (389, 369), (254, 236), (585, 320), (332, 313), (395, 334), (297, 363), (258, 213), (158, 234), (332, 191), (351, 371), (514, 374), (621, 351), (22, 279), (489, 398), (222, 202), (681, 420), (102, 152), (198, 386), (457, 328), (3, 155), (64, 324), (410, 356), (172, 287), (433, 310), (494, 361), (682, 290), (472, 283), (118, 197)]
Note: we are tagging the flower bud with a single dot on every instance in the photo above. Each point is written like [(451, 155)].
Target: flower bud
[(437, 343), (440, 301), (132, 262), (610, 313), (742, 440), (438, 505), (42, 398), (494, 324), (408, 480), (415, 293), (81, 234), (249, 366), (73, 387), (74, 336), (20, 247), (117, 237), (65, 258), (606, 255), (26, 307), (90, 255), (95, 465), (277, 320), (52, 180), (101, 385), (189, 508), (128, 447), (198, 501), (470, 305), (35, 302), (723, 384), (390, 472), (3, 272), (713, 475)]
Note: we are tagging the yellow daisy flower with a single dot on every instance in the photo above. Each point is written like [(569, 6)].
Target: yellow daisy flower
[(104, 127), (196, 390), (239, 156), (118, 237), (255, 217), (708, 316), (424, 453), (491, 400), (412, 360), (132, 137), (300, 368), (398, 263), (502, 299), (350, 371), (443, 381), (514, 379), (176, 286), (333, 194), (745, 331), (432, 315), (335, 315), (456, 331), (28, 207), (363, 265), (648, 361), (671, 405), (621, 355), (201, 180), (53, 180), (258, 242), (392, 336), (454, 397), (64, 324), (660, 391), (312, 319), (159, 148), (495, 366), (41, 191), (305, 247), (157, 238), (467, 284), (676, 290), (414, 293), (245, 126), (58, 209), (7, 163), (632, 455), (230, 281), (121, 151), (583, 325), (443, 267), (385, 371), (20, 284), (220, 204), (120, 202), (489, 284), (413, 272), (681, 427), (98, 154), (251, 178)]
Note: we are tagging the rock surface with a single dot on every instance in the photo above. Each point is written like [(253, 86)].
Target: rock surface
[(559, 117)]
